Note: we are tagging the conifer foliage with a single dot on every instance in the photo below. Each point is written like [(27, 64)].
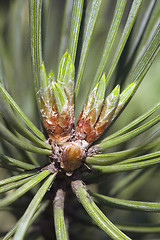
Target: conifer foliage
[(67, 170)]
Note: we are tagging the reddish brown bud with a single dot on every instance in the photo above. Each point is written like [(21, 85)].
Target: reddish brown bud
[(73, 154), (59, 127)]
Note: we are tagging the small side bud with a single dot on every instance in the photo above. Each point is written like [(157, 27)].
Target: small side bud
[(66, 76), (124, 97), (73, 154), (99, 98), (62, 68), (60, 97), (89, 102), (110, 105), (51, 77), (43, 79), (105, 117), (46, 99), (91, 111)]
